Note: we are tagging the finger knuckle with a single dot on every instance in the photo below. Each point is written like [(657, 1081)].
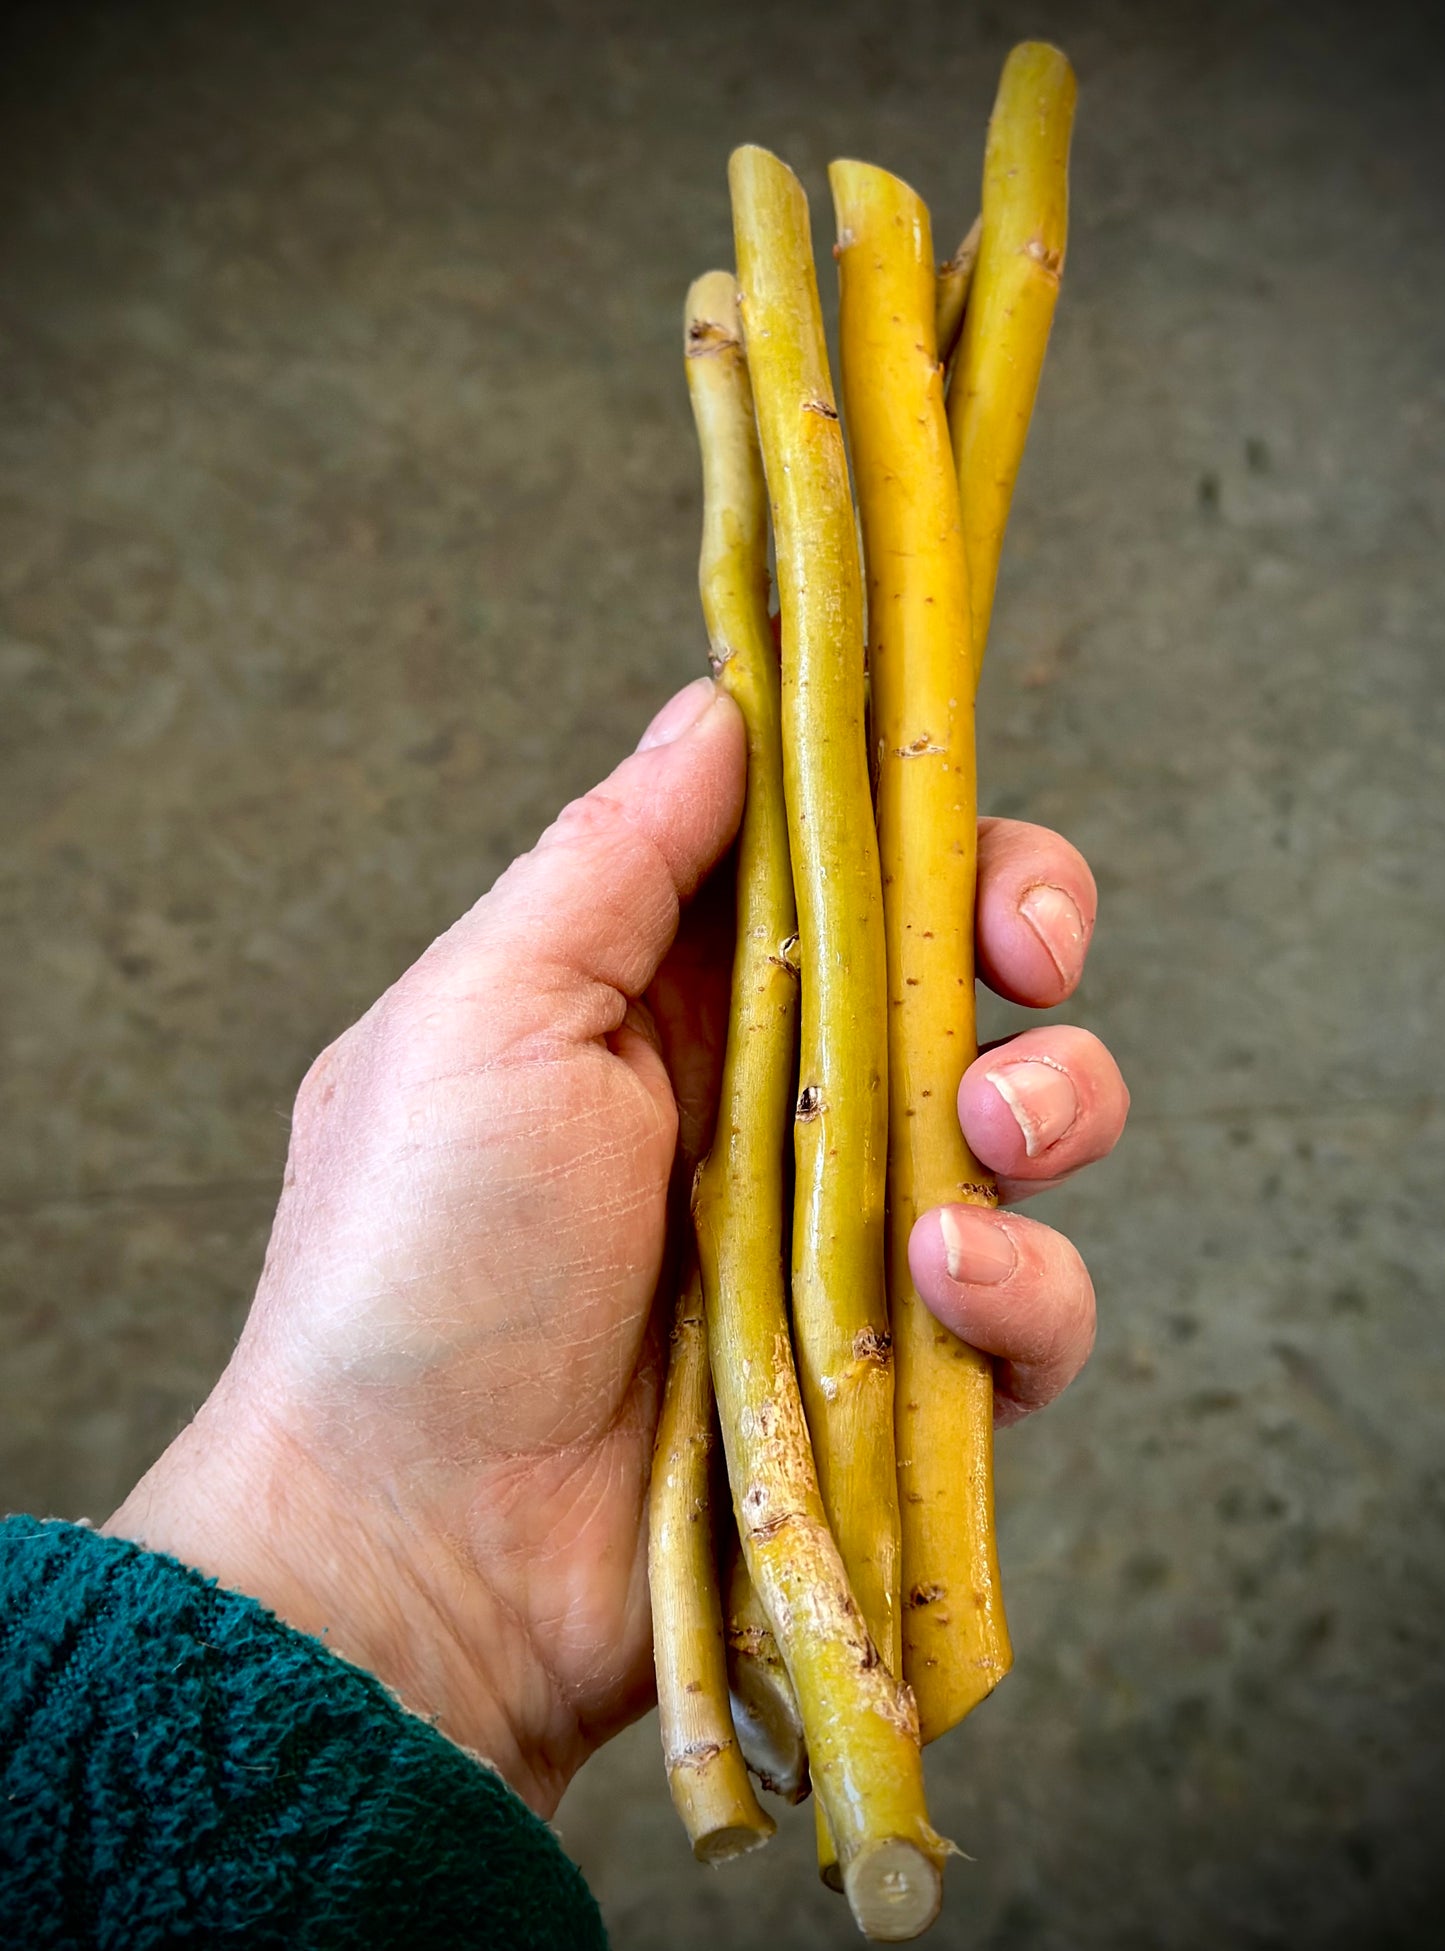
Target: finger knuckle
[(317, 1089), (1080, 1307)]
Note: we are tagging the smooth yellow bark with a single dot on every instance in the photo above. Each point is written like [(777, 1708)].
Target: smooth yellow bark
[(955, 1642), (1011, 303)]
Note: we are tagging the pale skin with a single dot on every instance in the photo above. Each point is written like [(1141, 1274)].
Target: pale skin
[(432, 1443)]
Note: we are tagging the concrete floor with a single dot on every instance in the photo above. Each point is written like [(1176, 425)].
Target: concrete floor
[(348, 511)]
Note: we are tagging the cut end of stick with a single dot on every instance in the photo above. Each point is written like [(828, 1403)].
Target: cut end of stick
[(711, 319), (722, 1845), (857, 188), (1040, 65), (770, 1734), (712, 1794), (752, 169), (894, 1890)]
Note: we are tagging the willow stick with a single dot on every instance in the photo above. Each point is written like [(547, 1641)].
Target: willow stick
[(706, 1771), (1011, 303), (840, 1321), (955, 1639), (706, 1764), (733, 579), (955, 275), (888, 1854), (765, 1708)]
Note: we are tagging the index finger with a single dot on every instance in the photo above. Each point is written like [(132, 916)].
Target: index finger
[(1036, 908)]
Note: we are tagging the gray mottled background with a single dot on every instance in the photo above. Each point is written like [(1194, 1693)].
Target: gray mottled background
[(348, 513)]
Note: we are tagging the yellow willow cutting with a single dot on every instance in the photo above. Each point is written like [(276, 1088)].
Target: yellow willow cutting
[(864, 1763), (954, 278), (706, 1773), (1011, 301), (955, 1640)]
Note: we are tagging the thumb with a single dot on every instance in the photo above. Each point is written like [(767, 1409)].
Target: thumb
[(597, 899)]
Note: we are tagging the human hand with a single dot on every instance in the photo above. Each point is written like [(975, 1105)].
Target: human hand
[(432, 1443)]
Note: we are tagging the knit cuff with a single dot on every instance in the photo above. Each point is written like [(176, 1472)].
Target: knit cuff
[(177, 1766)]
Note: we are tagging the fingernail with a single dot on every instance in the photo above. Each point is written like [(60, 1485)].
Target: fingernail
[(679, 714), (977, 1248), (1042, 1100), (1059, 926)]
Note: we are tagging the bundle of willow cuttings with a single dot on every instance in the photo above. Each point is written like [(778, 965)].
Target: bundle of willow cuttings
[(845, 1609)]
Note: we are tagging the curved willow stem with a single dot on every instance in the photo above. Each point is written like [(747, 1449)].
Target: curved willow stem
[(954, 278), (1011, 303)]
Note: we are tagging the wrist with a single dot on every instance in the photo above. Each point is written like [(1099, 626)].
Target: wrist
[(244, 1502)]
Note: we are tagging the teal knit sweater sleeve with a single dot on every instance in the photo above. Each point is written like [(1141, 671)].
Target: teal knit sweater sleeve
[(177, 1767)]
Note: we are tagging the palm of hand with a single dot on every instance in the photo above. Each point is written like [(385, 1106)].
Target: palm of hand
[(500, 1365), (462, 1287)]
